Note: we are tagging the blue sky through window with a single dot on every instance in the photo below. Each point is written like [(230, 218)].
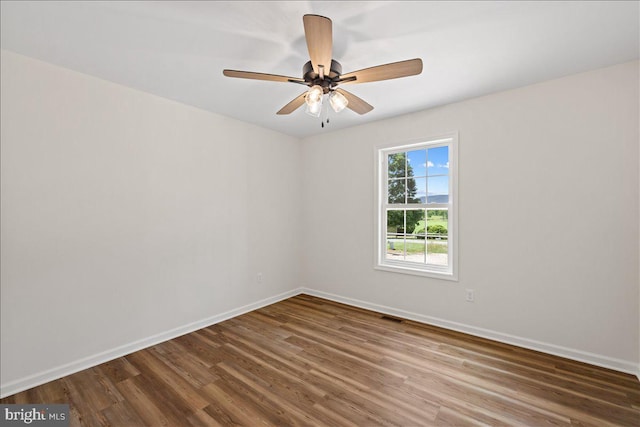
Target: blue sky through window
[(418, 161), (430, 162)]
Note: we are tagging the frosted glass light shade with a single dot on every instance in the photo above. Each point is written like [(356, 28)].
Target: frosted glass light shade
[(314, 109), (314, 95), (338, 101)]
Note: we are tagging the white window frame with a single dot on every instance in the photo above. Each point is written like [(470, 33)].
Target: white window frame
[(407, 267)]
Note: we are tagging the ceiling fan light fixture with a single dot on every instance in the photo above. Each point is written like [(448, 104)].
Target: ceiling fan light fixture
[(314, 96), (314, 109), (338, 101)]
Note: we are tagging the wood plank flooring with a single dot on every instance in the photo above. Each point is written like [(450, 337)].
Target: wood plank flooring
[(309, 361)]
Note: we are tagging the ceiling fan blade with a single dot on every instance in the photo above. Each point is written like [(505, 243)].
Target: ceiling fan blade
[(261, 76), (355, 103), (319, 34), (395, 70), (293, 105)]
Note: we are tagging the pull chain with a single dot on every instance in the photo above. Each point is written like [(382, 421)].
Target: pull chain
[(325, 108)]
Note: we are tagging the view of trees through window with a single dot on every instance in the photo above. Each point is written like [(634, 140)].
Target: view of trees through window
[(417, 212)]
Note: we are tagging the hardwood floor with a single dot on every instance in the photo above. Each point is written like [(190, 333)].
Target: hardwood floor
[(309, 361)]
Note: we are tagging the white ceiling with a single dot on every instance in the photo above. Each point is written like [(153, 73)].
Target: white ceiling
[(178, 50)]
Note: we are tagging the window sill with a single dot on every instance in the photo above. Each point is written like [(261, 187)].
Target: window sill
[(417, 272)]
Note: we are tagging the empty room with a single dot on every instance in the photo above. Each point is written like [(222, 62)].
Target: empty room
[(354, 213)]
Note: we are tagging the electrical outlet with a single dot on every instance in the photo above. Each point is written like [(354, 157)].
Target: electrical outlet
[(469, 295), (259, 278)]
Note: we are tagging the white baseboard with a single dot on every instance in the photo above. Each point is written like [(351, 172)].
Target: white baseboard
[(569, 353), (97, 359), (34, 380)]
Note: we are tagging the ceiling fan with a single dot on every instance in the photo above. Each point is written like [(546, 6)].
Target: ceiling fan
[(323, 74)]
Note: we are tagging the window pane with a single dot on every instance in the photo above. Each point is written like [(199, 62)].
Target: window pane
[(417, 163), (415, 249), (437, 222), (395, 247), (420, 229), (416, 240), (417, 190), (413, 219), (437, 251), (396, 190), (395, 234), (438, 189), (395, 222), (438, 161), (396, 168), (437, 236)]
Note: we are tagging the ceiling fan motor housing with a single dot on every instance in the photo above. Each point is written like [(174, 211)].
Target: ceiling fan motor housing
[(330, 79)]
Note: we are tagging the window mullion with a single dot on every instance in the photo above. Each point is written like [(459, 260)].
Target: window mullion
[(412, 206)]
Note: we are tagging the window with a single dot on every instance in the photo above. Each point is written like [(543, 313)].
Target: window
[(416, 208)]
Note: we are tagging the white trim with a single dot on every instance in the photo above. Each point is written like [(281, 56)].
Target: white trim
[(553, 349), (39, 378), (406, 269)]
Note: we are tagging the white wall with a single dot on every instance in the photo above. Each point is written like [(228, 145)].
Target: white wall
[(548, 216), (125, 215)]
